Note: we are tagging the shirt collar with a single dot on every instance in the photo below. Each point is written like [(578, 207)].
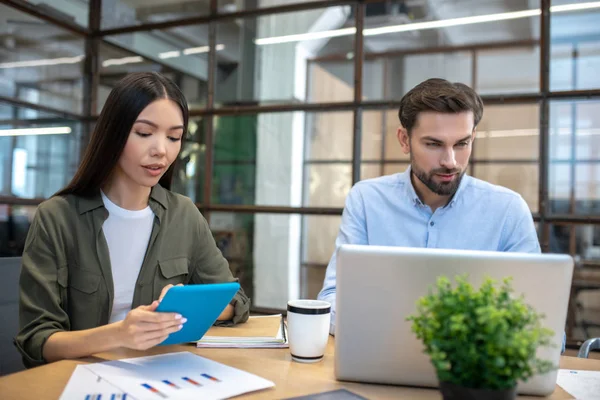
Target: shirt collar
[(464, 182), (158, 196), (411, 194)]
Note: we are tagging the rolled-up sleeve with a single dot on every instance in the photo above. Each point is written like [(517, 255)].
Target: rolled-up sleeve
[(41, 310), (211, 267)]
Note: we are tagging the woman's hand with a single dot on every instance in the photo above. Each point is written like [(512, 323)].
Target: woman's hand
[(143, 327), (165, 290)]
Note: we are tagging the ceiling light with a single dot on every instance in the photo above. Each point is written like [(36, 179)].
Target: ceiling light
[(169, 54), (201, 49), (426, 25), (195, 50), (444, 23), (39, 63), (59, 130), (575, 7), (306, 36), (121, 61)]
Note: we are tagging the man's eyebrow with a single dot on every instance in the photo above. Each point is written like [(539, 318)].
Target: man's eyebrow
[(432, 139), (465, 138)]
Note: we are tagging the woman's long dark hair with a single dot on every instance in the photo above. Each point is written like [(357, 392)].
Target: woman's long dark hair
[(125, 102)]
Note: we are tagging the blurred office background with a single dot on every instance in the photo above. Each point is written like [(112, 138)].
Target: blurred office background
[(294, 101)]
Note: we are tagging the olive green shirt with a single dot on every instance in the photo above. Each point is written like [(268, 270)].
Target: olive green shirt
[(66, 281)]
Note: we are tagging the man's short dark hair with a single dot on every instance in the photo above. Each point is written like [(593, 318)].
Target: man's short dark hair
[(439, 95)]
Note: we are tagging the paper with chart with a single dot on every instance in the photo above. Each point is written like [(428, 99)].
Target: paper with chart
[(180, 375), (86, 385), (583, 385)]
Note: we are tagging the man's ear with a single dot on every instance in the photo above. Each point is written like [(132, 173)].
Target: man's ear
[(474, 134), (403, 139)]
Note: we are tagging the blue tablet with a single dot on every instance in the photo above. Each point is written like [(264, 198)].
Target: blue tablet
[(201, 304)]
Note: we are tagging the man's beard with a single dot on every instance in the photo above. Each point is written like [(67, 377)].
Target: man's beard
[(442, 188)]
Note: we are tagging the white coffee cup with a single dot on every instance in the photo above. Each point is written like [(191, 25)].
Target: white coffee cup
[(308, 329)]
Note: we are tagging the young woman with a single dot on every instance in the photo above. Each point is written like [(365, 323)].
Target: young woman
[(102, 252)]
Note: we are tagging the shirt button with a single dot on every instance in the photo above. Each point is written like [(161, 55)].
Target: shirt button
[(432, 223)]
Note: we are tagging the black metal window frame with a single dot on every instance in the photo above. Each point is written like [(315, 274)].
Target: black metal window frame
[(94, 35)]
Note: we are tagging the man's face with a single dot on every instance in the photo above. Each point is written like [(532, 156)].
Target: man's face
[(439, 145)]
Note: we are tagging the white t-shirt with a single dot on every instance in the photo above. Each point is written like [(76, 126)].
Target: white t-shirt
[(127, 234)]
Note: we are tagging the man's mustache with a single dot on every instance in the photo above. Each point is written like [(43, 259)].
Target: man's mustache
[(445, 171)]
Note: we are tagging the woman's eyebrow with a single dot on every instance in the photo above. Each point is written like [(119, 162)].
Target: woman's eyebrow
[(145, 121), (152, 124)]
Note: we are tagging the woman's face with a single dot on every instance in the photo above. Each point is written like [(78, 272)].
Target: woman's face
[(153, 143)]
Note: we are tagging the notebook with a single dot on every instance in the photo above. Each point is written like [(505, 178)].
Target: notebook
[(268, 331)]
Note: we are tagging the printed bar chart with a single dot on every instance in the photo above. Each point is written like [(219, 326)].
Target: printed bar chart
[(155, 390), (211, 378), (189, 380), (181, 376), (171, 384)]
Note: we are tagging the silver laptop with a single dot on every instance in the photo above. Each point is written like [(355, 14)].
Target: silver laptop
[(377, 288)]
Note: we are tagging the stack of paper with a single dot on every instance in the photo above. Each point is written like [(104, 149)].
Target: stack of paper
[(176, 375), (583, 385), (259, 332)]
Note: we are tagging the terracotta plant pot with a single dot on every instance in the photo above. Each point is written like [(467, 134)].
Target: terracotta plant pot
[(451, 391)]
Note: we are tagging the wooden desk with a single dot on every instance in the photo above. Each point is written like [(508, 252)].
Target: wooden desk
[(291, 378)]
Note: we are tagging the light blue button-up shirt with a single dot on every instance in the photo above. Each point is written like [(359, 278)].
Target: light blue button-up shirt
[(386, 211)]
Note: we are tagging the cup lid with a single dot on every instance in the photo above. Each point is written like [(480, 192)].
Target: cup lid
[(309, 307)]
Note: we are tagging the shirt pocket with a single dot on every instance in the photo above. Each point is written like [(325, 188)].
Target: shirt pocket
[(62, 279), (85, 281), (173, 272), (84, 299)]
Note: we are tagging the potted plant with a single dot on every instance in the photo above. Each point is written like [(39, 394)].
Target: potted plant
[(481, 342)]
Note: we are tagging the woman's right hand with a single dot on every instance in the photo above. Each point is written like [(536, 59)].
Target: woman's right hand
[(143, 327)]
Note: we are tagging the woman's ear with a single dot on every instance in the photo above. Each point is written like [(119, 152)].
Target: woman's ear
[(403, 139)]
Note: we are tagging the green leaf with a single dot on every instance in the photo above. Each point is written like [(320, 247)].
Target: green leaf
[(484, 337)]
